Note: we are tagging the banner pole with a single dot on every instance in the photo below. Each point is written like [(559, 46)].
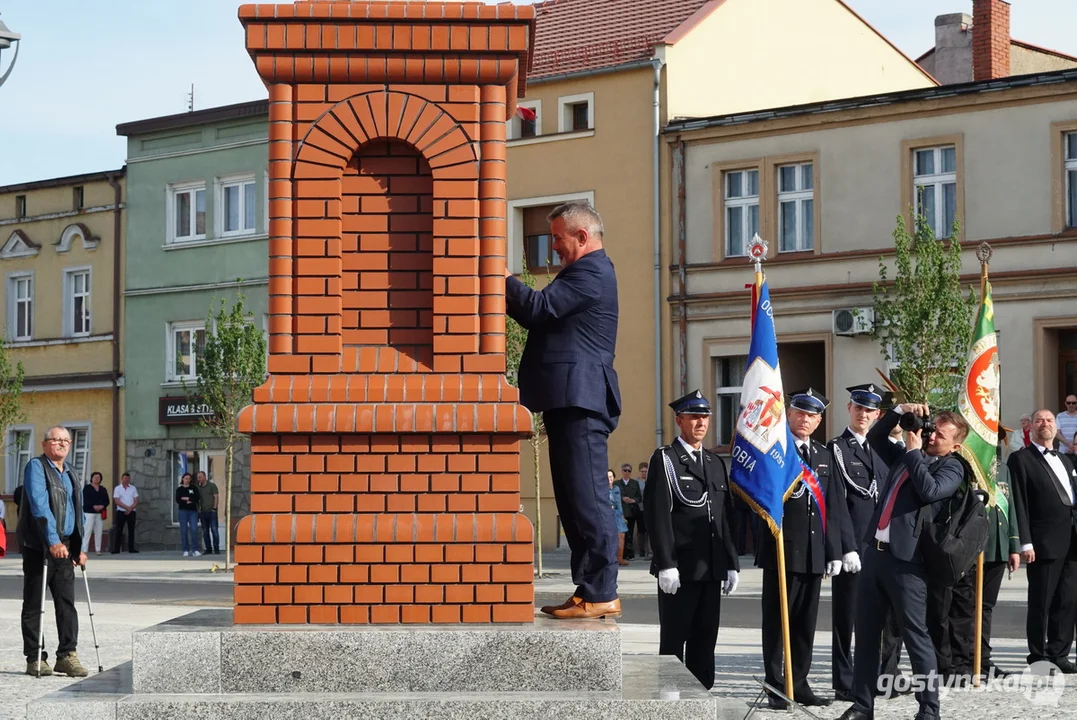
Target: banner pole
[(978, 635), (783, 597)]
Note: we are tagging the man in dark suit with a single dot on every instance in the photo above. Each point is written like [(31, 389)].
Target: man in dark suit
[(923, 477), (567, 374), (688, 512), (860, 470), (1044, 486), (812, 550), (631, 508)]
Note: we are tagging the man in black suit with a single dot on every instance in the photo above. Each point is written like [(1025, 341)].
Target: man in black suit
[(860, 470), (922, 478), (567, 374), (811, 536), (631, 501), (688, 512), (1044, 486)]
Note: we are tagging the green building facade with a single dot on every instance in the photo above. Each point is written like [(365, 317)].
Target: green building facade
[(197, 224)]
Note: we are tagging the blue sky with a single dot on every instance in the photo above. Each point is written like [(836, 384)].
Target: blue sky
[(87, 66)]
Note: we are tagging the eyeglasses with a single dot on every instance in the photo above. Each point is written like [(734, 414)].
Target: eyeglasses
[(58, 441), (1071, 402)]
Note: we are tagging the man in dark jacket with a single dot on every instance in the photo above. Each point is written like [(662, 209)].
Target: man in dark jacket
[(50, 531), (924, 476), (567, 374), (688, 511), (631, 508)]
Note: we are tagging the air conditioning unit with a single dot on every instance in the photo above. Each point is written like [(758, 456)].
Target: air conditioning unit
[(853, 321)]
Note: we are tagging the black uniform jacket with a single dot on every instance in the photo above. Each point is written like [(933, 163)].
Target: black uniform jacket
[(808, 545), (688, 516), (1004, 538), (862, 472)]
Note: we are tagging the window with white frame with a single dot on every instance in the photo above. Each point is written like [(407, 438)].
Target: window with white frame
[(186, 343), (236, 205), (1071, 179), (935, 185), (20, 303), (20, 443), (741, 210), (576, 113), (187, 212), (527, 122), (77, 302), (796, 207), (728, 379), (79, 455)]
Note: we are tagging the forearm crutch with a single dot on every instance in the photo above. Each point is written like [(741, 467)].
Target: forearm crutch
[(93, 629), (41, 617)]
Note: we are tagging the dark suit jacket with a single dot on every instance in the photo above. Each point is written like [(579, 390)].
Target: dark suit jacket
[(630, 489), (808, 545), (697, 541), (932, 481), (863, 466), (1045, 517), (571, 338)]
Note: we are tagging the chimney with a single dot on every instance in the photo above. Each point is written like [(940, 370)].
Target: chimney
[(990, 39), (951, 63)]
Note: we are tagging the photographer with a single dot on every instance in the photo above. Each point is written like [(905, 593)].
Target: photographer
[(923, 473)]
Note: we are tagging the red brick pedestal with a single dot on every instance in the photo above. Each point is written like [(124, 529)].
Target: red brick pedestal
[(385, 444)]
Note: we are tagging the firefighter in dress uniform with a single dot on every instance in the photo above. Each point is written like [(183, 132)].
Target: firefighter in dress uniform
[(688, 514), (860, 469), (812, 540)]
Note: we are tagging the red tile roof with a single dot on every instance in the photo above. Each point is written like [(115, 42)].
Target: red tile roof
[(576, 35)]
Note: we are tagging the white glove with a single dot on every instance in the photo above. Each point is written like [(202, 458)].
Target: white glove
[(833, 568), (669, 581), (731, 580), (850, 562)]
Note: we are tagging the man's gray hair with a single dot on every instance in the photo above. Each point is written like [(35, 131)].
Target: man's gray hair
[(1026, 416), (579, 215), (48, 433)]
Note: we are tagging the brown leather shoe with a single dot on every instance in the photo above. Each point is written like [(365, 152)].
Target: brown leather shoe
[(611, 609), (549, 609)]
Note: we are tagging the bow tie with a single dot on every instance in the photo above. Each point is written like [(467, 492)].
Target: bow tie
[(1050, 453)]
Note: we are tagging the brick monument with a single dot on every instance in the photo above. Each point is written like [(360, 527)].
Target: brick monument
[(385, 444)]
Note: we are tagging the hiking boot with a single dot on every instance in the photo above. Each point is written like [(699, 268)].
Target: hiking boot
[(69, 665), (38, 669)]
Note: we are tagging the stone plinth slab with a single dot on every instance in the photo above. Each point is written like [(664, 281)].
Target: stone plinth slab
[(655, 688), (204, 652)]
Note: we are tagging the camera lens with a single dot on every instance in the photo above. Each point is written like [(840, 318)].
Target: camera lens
[(909, 422)]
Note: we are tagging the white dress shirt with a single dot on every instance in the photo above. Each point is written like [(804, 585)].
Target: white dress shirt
[(860, 439), (695, 453), (1061, 477)]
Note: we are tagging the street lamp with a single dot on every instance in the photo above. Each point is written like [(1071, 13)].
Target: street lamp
[(6, 39)]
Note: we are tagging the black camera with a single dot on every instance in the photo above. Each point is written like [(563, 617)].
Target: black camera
[(910, 422)]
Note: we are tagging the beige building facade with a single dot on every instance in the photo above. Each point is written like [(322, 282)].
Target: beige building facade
[(601, 89), (829, 185), (61, 259)]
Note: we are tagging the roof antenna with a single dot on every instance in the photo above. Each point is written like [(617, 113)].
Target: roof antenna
[(190, 99)]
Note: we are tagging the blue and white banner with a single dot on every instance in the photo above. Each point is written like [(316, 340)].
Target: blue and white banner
[(766, 465)]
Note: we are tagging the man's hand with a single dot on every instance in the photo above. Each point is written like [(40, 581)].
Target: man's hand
[(731, 580), (669, 581), (58, 551), (914, 440), (508, 272), (81, 561), (850, 562), (917, 409), (98, 508), (1029, 556), (833, 568), (1015, 562), (628, 500)]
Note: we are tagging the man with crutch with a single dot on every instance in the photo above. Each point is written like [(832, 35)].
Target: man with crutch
[(50, 535)]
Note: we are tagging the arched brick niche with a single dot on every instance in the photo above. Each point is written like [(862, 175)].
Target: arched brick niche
[(385, 443)]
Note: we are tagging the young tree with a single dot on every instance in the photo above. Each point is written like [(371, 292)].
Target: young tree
[(232, 365), (515, 340), (11, 394), (923, 318)]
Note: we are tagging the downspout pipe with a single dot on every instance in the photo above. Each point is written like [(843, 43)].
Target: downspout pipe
[(657, 63), (117, 298)]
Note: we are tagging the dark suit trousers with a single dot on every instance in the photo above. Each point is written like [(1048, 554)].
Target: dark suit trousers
[(120, 521), (61, 583), (888, 582), (803, 593), (1052, 585), (890, 649), (578, 463), (688, 626), (993, 572), (951, 621)]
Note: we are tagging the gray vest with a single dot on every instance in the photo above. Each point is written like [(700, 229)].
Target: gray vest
[(31, 530)]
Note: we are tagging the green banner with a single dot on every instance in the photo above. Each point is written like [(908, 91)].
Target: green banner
[(980, 404)]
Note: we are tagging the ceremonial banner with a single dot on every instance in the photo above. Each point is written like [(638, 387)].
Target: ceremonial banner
[(979, 403), (766, 465)]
